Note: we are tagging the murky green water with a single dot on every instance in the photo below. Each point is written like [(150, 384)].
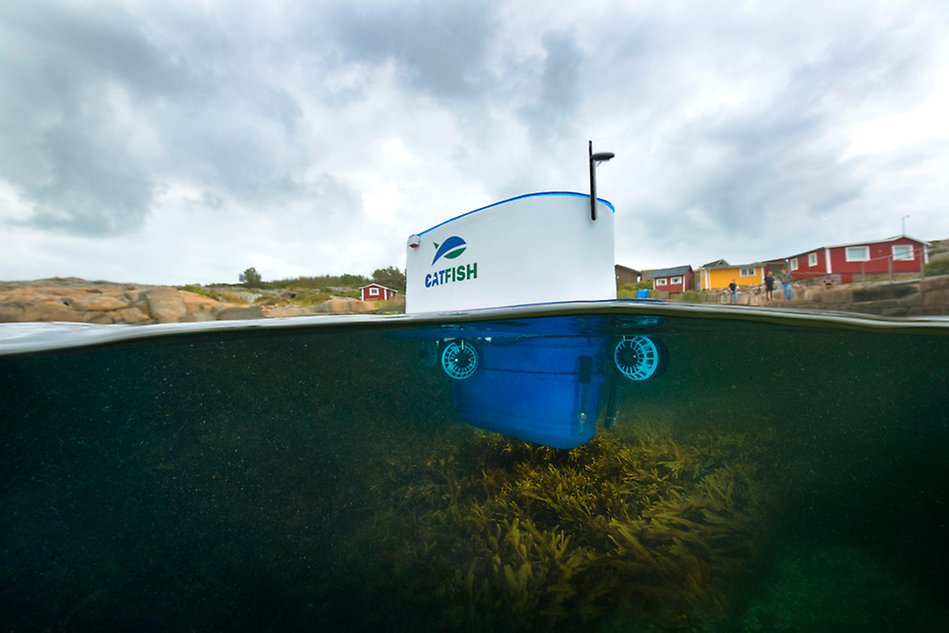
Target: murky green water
[(779, 476)]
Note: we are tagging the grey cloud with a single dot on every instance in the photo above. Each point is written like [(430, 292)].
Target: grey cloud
[(552, 114), (872, 67), (211, 200), (771, 165), (440, 45), (68, 44), (234, 151), (105, 105), (336, 200), (62, 149), (68, 152), (94, 186), (784, 165)]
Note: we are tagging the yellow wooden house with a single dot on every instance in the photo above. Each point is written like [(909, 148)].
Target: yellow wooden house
[(717, 275)]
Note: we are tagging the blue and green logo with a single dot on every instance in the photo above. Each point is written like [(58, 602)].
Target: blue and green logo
[(450, 248)]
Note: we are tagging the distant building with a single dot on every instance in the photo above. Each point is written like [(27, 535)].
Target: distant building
[(626, 275), (377, 292), (775, 266), (846, 262), (717, 277), (672, 280)]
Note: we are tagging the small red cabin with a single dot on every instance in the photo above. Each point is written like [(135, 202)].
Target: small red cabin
[(672, 280), (856, 261), (377, 292)]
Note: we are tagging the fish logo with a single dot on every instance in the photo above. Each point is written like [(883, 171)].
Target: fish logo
[(450, 248)]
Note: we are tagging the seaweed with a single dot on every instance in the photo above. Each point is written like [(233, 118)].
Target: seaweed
[(514, 535)]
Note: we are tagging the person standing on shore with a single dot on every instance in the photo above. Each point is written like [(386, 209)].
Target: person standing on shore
[(786, 282), (733, 289), (769, 286)]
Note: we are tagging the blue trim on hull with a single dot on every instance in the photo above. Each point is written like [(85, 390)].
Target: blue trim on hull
[(574, 194)]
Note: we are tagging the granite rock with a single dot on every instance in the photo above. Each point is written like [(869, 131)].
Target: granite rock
[(165, 306)]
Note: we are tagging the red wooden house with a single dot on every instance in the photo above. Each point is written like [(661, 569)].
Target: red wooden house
[(672, 280), (847, 262), (377, 292)]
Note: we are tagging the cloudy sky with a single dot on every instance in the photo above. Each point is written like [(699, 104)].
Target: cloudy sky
[(174, 142)]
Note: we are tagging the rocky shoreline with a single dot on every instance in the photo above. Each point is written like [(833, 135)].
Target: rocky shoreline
[(81, 301), (898, 298)]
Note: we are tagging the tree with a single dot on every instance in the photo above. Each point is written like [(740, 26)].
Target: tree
[(251, 277), (390, 277)]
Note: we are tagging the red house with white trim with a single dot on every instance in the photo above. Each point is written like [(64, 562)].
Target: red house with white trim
[(377, 292), (899, 254), (672, 280)]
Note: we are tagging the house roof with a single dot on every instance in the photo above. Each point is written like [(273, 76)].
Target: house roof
[(885, 239), (375, 285), (863, 243), (750, 265), (667, 272), (716, 263)]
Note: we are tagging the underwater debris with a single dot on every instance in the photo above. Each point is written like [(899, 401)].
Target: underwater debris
[(517, 535)]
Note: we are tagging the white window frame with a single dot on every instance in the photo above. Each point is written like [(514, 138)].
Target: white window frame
[(865, 257), (812, 260), (793, 263), (906, 257), (373, 292), (675, 280), (744, 272), (660, 281)]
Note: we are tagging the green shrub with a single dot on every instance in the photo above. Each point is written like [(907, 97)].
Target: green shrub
[(691, 296), (210, 293), (198, 290), (311, 298), (228, 297), (936, 267), (628, 291), (323, 281), (271, 300), (251, 278)]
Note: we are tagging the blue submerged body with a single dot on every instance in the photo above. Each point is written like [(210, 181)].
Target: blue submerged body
[(546, 391), (549, 384)]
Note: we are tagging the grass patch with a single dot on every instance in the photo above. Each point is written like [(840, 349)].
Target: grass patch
[(936, 267), (225, 297), (297, 297)]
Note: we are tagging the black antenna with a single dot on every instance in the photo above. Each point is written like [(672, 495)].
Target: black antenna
[(595, 159)]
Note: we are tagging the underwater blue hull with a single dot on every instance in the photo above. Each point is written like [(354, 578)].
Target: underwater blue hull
[(544, 390), (548, 384)]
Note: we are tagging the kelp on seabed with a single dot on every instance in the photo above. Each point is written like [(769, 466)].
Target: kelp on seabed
[(515, 535)]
